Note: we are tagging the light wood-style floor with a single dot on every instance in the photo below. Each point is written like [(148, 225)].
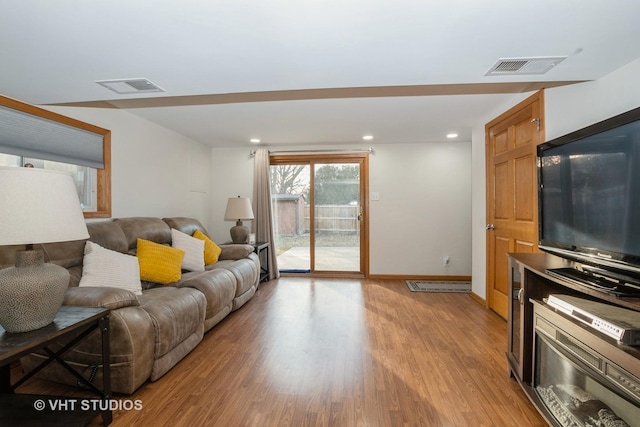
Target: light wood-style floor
[(325, 352)]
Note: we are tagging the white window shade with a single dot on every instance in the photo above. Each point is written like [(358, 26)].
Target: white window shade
[(23, 134)]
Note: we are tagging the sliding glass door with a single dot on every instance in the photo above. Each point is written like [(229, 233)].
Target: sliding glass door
[(290, 193), (319, 210), (337, 209)]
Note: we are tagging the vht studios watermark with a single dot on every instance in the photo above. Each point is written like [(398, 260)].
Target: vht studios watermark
[(87, 405)]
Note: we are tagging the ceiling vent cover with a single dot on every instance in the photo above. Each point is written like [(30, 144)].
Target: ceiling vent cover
[(124, 86), (520, 66)]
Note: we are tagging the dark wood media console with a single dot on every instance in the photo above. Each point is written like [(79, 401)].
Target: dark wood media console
[(529, 281)]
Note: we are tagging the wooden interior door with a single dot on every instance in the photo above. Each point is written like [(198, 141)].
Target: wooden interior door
[(512, 201)]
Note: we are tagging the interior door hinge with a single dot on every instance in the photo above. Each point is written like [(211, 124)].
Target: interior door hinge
[(537, 122)]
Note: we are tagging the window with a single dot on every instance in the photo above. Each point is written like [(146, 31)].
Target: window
[(84, 177), (29, 134)]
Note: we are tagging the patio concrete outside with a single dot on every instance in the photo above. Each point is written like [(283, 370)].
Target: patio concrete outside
[(327, 259)]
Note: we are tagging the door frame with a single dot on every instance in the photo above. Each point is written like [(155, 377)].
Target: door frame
[(311, 160), (538, 138)]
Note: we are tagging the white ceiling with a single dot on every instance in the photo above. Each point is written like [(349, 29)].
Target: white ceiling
[(307, 71)]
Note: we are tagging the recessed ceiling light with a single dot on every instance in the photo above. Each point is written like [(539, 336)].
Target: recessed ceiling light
[(367, 137), (452, 135), (254, 140)]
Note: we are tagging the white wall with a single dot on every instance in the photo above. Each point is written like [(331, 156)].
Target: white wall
[(423, 214), (154, 171), (573, 107), (424, 211), (567, 109), (232, 176)]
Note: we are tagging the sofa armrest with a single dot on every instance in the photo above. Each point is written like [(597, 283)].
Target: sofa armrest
[(111, 298), (235, 251)]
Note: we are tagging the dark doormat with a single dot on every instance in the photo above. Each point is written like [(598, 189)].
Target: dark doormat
[(438, 286)]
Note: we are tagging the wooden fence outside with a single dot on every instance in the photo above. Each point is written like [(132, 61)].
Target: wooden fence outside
[(333, 218)]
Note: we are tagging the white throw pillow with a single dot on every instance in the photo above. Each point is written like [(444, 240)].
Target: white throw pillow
[(104, 267), (193, 250)]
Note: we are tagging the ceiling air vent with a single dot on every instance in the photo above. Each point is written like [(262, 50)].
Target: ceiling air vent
[(124, 86), (519, 66)]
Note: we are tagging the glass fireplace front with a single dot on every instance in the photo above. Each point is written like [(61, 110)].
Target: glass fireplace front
[(581, 376), (575, 394)]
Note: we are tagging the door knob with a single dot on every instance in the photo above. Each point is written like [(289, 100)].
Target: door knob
[(491, 227)]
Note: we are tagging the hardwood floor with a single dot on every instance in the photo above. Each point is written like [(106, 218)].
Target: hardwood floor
[(323, 352)]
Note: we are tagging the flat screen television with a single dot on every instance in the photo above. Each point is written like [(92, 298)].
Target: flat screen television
[(589, 194)]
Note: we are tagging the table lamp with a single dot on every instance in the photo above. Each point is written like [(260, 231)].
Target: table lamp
[(38, 206), (238, 208)]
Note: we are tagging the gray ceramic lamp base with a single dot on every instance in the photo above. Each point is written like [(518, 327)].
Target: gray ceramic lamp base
[(239, 233), (31, 293)]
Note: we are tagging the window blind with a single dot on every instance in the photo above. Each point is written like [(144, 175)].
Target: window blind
[(23, 134)]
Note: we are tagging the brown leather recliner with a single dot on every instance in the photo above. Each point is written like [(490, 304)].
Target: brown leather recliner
[(152, 332)]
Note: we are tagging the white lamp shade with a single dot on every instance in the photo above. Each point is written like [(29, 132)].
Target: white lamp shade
[(39, 206), (238, 208)]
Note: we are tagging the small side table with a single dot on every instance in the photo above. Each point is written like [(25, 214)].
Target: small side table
[(71, 325), (262, 250)]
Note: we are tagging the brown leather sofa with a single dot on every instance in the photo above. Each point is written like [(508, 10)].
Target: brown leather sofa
[(152, 332)]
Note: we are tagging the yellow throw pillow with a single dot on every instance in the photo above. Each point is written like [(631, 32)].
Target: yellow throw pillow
[(211, 250), (159, 263)]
